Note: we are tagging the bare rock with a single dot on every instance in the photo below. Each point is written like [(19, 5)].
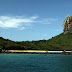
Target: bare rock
[(67, 24)]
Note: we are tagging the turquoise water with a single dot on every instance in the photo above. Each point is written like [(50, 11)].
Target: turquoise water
[(35, 63)]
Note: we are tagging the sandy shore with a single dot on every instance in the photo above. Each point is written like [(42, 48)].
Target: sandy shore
[(36, 51)]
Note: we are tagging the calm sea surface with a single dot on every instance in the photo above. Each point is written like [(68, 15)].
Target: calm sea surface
[(35, 63)]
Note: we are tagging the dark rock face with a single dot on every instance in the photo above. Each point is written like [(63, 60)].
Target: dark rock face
[(67, 24), (0, 50)]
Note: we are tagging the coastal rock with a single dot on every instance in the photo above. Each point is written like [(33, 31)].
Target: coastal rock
[(0, 50), (67, 24)]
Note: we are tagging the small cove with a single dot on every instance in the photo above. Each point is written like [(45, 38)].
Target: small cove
[(35, 63)]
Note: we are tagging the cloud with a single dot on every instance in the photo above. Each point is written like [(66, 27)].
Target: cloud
[(16, 22), (22, 28), (47, 21), (21, 22)]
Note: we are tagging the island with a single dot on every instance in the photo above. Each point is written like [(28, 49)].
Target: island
[(61, 43)]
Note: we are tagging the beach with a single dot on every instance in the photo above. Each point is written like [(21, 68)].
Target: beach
[(37, 52), (33, 51)]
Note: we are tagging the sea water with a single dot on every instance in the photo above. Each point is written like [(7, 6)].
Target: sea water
[(35, 63)]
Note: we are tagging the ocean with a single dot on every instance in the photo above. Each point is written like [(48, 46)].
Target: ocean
[(35, 63)]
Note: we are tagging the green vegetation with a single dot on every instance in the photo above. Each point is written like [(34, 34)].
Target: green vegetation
[(60, 42), (9, 45)]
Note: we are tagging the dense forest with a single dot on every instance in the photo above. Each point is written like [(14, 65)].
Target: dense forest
[(59, 42)]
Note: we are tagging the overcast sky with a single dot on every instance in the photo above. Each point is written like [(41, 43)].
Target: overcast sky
[(22, 20)]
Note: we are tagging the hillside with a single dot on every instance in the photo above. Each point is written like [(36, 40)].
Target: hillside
[(8, 44), (59, 42)]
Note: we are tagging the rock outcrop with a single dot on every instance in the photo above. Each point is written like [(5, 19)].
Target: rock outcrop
[(67, 24)]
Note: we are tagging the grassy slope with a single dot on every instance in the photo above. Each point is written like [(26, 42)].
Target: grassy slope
[(59, 42), (8, 44), (62, 41)]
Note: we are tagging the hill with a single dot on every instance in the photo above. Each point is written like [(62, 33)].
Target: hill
[(59, 42), (8, 44)]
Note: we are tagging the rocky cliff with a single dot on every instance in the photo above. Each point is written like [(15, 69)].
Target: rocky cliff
[(67, 24)]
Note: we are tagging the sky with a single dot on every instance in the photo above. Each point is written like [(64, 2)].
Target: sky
[(30, 20)]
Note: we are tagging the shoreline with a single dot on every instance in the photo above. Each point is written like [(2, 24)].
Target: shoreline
[(36, 52)]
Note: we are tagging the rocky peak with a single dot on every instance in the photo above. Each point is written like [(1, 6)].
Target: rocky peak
[(67, 24), (68, 16)]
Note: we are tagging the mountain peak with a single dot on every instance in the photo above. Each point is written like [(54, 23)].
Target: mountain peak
[(67, 24)]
